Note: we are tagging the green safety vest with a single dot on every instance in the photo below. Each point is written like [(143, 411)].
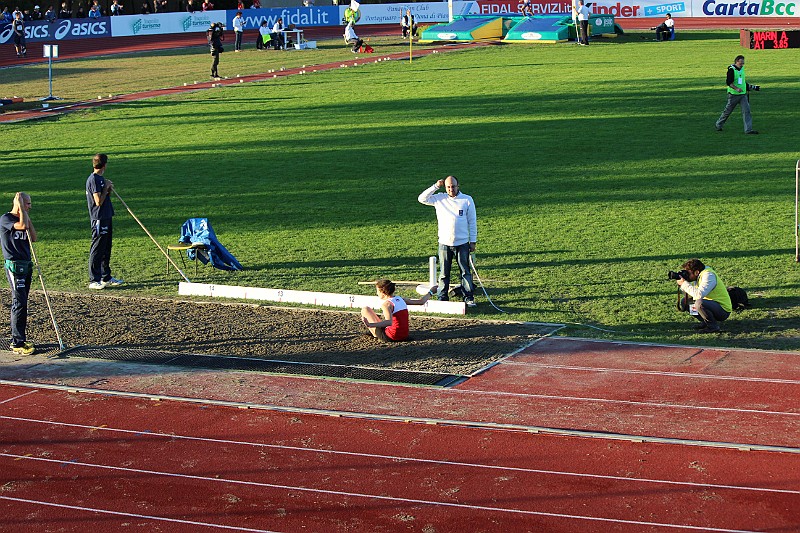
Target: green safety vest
[(738, 81), (719, 293)]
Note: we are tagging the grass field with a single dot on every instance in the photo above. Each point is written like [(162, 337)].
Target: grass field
[(594, 170)]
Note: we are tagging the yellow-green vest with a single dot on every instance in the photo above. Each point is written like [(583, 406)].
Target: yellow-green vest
[(738, 81), (719, 293)]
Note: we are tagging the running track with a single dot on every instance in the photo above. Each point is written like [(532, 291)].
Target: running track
[(501, 452)]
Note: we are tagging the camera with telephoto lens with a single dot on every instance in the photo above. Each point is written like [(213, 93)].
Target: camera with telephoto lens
[(683, 274)]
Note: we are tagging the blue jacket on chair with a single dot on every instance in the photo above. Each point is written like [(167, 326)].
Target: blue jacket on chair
[(198, 230)]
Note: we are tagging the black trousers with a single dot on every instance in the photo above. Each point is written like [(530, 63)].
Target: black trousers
[(214, 64), (20, 288), (584, 36), (710, 312), (100, 251)]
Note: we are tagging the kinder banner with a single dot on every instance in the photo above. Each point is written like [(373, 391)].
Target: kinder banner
[(160, 23), (299, 16), (60, 30)]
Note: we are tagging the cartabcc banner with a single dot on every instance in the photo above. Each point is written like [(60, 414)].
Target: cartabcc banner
[(60, 30)]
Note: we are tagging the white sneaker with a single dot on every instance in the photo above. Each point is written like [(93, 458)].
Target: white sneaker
[(114, 282), (97, 285)]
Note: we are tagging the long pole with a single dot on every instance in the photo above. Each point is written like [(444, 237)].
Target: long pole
[(61, 345), (151, 237), (796, 221), (50, 74)]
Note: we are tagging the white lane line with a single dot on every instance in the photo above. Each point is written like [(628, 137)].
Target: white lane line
[(18, 396), (377, 496), (655, 373), (398, 458), (623, 402), (133, 515)]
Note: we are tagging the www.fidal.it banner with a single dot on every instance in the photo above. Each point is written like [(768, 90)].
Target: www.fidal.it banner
[(424, 13)]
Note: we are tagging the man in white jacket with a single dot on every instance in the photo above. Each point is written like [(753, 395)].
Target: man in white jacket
[(458, 234)]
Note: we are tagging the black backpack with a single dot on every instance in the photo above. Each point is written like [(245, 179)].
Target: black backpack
[(739, 298)]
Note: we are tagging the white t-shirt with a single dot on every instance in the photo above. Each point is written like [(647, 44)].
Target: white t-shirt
[(350, 33), (583, 12), (669, 23), (238, 23)]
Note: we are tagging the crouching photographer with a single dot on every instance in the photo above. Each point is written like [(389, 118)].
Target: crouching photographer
[(712, 304)]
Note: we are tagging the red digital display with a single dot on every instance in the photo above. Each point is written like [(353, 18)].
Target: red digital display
[(774, 39)]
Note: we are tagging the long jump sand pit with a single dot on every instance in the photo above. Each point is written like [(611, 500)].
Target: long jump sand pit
[(453, 346)]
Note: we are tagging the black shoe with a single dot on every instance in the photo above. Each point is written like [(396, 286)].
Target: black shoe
[(443, 298), (751, 132), (718, 129), (707, 329), (700, 326)]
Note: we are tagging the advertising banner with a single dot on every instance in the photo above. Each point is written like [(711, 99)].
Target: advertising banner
[(423, 12), (299, 16), (60, 30), (539, 7), (745, 8), (160, 23)]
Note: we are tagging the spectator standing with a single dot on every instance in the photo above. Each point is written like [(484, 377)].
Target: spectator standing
[(190, 8), (6, 17), (256, 4), (80, 13), (37, 13), (101, 212), (15, 229), (116, 8), (18, 27), (65, 12), (50, 14), (146, 8), (458, 234), (207, 6), (240, 6), (94, 11), (238, 31), (737, 95), (583, 21)]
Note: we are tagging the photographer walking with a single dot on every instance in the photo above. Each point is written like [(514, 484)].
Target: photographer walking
[(458, 234), (737, 95), (711, 299)]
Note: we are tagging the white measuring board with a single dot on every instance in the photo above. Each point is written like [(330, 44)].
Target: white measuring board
[(327, 299)]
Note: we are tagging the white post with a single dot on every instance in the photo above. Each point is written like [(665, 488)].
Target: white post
[(50, 51), (450, 9), (432, 270), (796, 221)]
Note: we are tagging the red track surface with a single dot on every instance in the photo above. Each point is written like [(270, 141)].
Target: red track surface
[(74, 462)]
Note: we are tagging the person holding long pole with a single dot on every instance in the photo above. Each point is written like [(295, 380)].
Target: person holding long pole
[(98, 191), (16, 229)]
